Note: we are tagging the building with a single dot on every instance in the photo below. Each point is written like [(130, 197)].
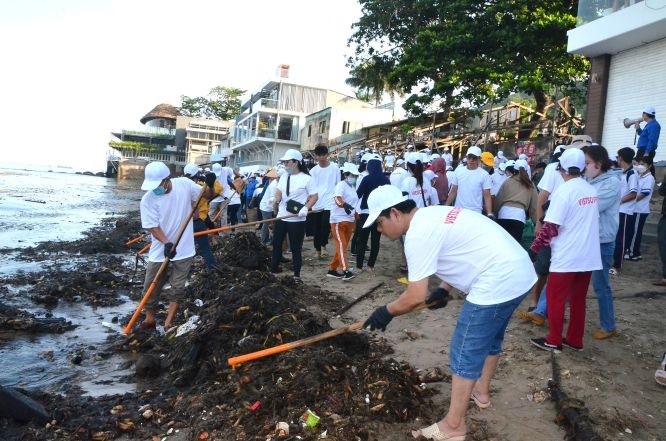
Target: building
[(626, 43), (200, 137)]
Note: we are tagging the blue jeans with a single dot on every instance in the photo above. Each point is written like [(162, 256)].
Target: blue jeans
[(601, 284), (542, 305), (203, 244), (478, 334)]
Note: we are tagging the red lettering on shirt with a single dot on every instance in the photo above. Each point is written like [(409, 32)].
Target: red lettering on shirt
[(452, 216), (587, 201)]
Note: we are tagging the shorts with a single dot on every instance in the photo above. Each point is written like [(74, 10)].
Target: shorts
[(478, 334), (542, 263)]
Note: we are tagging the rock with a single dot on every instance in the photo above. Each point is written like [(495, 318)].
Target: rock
[(148, 366), (14, 404)]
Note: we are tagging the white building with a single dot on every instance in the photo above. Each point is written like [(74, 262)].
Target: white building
[(626, 43)]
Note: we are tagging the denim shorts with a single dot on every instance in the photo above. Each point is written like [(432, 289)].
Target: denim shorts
[(478, 334)]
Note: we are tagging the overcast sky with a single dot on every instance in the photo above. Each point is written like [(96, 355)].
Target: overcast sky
[(74, 70)]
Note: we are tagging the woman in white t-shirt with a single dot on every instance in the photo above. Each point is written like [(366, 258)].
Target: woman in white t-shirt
[(571, 228), (642, 205), (516, 197), (342, 221), (295, 194), (266, 203), (416, 187)]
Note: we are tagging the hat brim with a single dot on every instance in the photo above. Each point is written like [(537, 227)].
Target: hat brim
[(489, 162), (372, 217), (150, 184)]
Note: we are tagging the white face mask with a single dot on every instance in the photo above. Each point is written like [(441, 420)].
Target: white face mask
[(641, 169)]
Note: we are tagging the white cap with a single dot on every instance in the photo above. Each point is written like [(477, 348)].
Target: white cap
[(191, 170), (500, 153), (388, 152), (429, 175), (649, 110), (449, 168), (154, 174), (474, 150), (580, 141), (366, 157), (446, 149), (381, 198), (217, 169), (399, 162), (521, 163), (559, 149), (509, 163), (411, 158), (410, 146), (348, 167), (207, 169), (435, 156), (502, 165), (375, 156), (572, 157), (292, 155), (521, 156)]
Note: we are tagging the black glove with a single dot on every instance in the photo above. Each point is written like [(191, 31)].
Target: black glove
[(438, 298), (348, 208), (532, 254), (209, 223), (210, 180), (490, 216), (169, 250), (379, 319)]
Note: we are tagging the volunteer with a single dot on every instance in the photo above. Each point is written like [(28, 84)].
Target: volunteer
[(448, 157), (642, 205), (325, 176), (571, 228), (266, 203), (628, 192), (441, 182), (498, 177), (200, 219), (398, 174), (415, 187), (164, 209), (342, 221), (295, 194), (516, 197), (471, 185), (221, 201), (496, 279), (389, 161)]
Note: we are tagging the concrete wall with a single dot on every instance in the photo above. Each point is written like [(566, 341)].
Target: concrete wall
[(132, 169), (596, 96)]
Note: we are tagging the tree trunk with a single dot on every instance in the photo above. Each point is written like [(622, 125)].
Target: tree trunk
[(542, 100)]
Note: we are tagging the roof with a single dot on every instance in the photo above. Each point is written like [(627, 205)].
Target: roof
[(166, 111)]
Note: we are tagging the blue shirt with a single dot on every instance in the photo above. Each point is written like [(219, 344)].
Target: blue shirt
[(649, 136)]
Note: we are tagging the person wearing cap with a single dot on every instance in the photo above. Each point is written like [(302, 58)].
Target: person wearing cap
[(415, 186), (496, 279), (628, 193), (471, 185), (389, 161), (236, 199), (398, 174), (516, 197), (220, 202), (200, 219), (648, 136), (164, 209), (498, 178), (266, 202), (297, 190), (448, 157), (571, 228), (362, 168), (499, 159), (342, 221), (526, 158), (326, 176)]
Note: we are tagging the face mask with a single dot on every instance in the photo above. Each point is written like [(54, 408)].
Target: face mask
[(159, 191), (292, 169), (351, 181), (635, 167), (641, 169), (592, 171)]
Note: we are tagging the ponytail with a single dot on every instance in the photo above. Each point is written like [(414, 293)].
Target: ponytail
[(524, 179), (303, 168), (417, 171)]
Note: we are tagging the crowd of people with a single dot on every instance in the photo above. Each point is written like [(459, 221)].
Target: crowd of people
[(553, 228)]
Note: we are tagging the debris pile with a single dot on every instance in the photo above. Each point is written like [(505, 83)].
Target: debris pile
[(243, 249), (14, 319)]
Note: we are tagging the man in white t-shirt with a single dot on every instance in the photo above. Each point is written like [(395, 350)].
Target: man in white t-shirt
[(452, 243), (448, 157), (389, 161), (571, 228), (642, 205), (628, 193), (471, 186), (164, 208), (325, 176), (398, 174)]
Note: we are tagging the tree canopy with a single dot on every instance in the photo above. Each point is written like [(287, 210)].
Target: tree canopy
[(467, 52), (221, 103)]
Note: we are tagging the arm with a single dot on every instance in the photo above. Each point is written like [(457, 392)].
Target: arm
[(276, 199), (630, 197), (312, 199), (653, 138), (158, 234), (488, 201), (452, 195), (541, 200), (414, 295), (532, 209), (547, 233)]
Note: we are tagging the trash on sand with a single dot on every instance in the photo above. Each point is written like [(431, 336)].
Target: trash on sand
[(282, 429), (189, 325), (199, 303), (310, 418)]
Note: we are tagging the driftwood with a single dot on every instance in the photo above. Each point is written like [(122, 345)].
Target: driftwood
[(571, 412), (359, 298)]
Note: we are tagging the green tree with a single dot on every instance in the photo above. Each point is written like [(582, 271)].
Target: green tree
[(370, 78), (466, 52), (221, 103)]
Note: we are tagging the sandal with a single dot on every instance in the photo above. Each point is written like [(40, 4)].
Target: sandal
[(433, 432), (532, 317), (478, 402), (660, 377)]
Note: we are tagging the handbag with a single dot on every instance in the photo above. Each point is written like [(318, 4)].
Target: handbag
[(294, 206)]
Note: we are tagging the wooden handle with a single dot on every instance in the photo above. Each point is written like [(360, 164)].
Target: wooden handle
[(247, 224), (135, 240)]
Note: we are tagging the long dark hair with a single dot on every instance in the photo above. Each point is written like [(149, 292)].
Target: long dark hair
[(302, 167), (417, 171), (598, 153), (524, 178)]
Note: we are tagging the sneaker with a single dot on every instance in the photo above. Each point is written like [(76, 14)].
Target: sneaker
[(614, 272), (541, 343), (335, 274), (348, 275), (575, 348), (600, 334), (352, 253), (297, 280), (635, 258), (627, 256)]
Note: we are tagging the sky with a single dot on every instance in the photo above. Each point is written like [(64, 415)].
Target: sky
[(75, 70)]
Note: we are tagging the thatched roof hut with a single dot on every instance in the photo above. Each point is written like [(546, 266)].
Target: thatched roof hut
[(166, 111)]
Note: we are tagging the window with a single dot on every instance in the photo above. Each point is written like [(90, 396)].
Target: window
[(288, 128), (310, 130), (345, 127), (322, 126)]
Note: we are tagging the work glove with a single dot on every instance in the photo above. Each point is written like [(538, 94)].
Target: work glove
[(379, 319), (303, 212), (491, 216), (348, 208), (169, 250), (532, 254), (438, 298), (210, 180)]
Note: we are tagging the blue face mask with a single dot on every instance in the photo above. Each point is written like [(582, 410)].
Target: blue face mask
[(159, 191), (351, 181)]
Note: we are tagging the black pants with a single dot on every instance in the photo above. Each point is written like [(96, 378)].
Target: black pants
[(661, 241), (321, 227), (362, 242), (639, 223), (296, 233), (513, 227), (623, 239), (232, 210)]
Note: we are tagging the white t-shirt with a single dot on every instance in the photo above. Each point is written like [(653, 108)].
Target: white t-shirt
[(169, 212), (397, 176), (497, 179), (266, 203), (348, 194), (325, 180), (471, 184), (453, 243), (301, 186), (628, 184), (222, 179), (645, 186), (389, 160), (574, 207), (448, 157), (551, 179), (416, 193), (449, 178)]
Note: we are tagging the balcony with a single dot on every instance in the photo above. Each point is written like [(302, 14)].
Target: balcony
[(148, 135)]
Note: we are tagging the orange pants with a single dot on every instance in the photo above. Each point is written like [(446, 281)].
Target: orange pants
[(341, 233)]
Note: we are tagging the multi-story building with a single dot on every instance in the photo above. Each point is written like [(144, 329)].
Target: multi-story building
[(626, 43), (200, 137)]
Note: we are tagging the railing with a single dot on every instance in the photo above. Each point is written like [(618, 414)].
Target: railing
[(590, 10), (153, 156), (268, 103), (151, 131)]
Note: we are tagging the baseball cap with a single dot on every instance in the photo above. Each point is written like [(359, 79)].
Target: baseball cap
[(649, 110), (191, 170), (509, 163), (521, 163), (366, 157), (580, 141), (154, 174), (400, 162), (500, 153), (434, 156), (446, 149), (487, 158), (381, 198), (349, 167), (217, 169), (559, 149), (449, 168), (474, 150), (413, 157), (572, 157), (502, 165), (522, 156), (292, 155)]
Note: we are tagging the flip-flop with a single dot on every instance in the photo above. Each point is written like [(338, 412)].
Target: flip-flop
[(433, 432), (660, 377), (480, 403)]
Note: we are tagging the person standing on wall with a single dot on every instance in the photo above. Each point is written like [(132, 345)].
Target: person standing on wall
[(325, 176), (648, 137)]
